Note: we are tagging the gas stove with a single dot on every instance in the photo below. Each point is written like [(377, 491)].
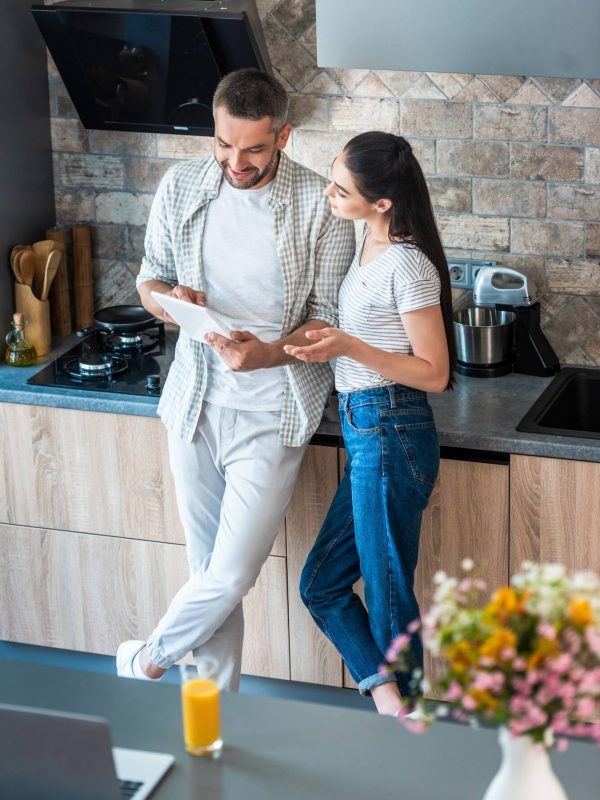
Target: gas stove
[(120, 362)]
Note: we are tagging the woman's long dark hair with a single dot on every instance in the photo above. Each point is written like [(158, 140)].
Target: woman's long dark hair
[(384, 167)]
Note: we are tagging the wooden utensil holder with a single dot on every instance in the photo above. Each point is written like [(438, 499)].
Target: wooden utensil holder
[(37, 314)]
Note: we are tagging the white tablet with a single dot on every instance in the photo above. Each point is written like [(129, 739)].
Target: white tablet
[(195, 320)]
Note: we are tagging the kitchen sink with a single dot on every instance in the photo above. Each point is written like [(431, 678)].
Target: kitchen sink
[(570, 406)]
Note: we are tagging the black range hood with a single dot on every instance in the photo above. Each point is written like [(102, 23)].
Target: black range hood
[(150, 65)]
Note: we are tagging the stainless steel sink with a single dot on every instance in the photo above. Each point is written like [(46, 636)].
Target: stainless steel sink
[(570, 406)]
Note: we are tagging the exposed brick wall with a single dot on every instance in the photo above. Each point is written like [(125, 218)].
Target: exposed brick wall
[(513, 165)]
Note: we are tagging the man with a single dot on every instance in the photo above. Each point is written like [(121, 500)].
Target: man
[(249, 233)]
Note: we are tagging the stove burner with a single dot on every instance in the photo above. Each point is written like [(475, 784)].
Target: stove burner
[(122, 342), (95, 366)]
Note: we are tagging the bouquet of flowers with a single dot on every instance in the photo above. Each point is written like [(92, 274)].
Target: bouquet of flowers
[(529, 659)]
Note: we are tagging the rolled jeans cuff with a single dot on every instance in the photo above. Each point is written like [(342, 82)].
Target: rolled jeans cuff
[(365, 686)]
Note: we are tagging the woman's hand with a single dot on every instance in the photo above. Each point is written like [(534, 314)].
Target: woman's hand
[(329, 343)]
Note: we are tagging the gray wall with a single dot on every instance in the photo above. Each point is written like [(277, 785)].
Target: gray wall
[(26, 183), (512, 164)]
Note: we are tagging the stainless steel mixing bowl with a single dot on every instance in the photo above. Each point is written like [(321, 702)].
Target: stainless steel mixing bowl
[(483, 335)]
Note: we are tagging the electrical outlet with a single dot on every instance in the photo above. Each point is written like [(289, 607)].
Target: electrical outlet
[(463, 271)]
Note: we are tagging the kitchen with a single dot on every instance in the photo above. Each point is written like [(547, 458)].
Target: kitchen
[(513, 167)]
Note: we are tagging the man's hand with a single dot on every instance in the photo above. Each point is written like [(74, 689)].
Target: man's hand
[(180, 292), (329, 343), (243, 352)]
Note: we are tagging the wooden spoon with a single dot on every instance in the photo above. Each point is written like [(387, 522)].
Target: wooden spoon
[(52, 265), (26, 262), (15, 255)]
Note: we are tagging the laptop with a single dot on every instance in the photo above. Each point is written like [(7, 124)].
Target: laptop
[(51, 755)]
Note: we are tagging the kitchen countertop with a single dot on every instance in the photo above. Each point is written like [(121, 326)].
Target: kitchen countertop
[(481, 414)]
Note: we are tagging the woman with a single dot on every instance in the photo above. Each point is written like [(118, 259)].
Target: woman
[(394, 344)]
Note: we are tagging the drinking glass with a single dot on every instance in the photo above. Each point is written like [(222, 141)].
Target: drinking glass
[(200, 701)]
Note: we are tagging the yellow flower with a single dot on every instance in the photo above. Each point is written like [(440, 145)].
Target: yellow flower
[(504, 601), (580, 612), (500, 640), (544, 648), (461, 656), (484, 699)]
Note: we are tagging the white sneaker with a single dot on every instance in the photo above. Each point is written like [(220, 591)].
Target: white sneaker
[(126, 655)]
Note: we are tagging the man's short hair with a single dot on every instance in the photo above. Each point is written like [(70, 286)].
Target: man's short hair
[(251, 94)]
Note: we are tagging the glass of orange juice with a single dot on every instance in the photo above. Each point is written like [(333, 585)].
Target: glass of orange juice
[(201, 707)]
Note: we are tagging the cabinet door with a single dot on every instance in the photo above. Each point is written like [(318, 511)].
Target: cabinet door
[(555, 512), (83, 592), (266, 640), (89, 593), (312, 657), (89, 472), (86, 471), (467, 516)]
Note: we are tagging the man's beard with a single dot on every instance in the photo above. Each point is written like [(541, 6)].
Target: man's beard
[(256, 178)]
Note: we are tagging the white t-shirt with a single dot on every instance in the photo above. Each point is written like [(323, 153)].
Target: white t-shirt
[(242, 279), (371, 300)]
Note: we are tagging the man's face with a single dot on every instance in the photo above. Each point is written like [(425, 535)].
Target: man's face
[(247, 150)]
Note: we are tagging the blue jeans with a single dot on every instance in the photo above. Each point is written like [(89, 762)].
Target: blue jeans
[(372, 530)]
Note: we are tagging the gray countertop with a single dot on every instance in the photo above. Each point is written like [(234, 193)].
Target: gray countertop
[(277, 748), (481, 414)]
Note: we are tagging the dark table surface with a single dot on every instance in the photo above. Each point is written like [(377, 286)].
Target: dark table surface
[(288, 749)]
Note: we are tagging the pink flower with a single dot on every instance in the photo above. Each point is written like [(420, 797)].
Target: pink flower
[(413, 725), (592, 638), (546, 630), (562, 664), (397, 646), (586, 707), (413, 626), (454, 692), (562, 744), (519, 664), (469, 703)]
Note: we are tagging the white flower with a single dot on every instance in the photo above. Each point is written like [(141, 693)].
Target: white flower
[(584, 581), (554, 572), (467, 564), (439, 577)]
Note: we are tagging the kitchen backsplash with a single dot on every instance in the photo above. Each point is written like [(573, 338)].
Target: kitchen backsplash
[(513, 166)]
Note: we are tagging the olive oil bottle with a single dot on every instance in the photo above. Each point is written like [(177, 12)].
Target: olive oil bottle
[(19, 352)]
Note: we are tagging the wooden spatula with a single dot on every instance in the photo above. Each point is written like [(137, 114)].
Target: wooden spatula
[(52, 264)]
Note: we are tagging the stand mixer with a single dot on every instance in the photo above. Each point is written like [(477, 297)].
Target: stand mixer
[(502, 333)]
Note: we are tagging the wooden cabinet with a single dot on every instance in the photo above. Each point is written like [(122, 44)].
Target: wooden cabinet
[(467, 515), (312, 657), (91, 547), (555, 512), (92, 550)]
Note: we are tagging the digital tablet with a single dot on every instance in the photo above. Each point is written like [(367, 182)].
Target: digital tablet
[(195, 320)]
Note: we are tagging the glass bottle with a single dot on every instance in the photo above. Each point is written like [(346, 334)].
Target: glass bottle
[(19, 352)]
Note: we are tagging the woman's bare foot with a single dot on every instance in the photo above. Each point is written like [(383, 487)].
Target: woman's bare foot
[(387, 698), (148, 666)]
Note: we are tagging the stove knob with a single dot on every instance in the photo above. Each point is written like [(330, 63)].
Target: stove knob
[(153, 383)]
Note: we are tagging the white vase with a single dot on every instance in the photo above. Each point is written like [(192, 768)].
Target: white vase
[(525, 772)]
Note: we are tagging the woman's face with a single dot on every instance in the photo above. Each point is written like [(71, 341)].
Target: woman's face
[(344, 198)]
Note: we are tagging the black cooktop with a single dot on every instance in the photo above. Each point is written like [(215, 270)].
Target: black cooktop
[(119, 362)]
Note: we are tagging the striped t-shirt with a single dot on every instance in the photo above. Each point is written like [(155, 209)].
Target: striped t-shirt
[(372, 299)]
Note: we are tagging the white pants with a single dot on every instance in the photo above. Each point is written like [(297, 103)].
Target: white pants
[(233, 482)]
